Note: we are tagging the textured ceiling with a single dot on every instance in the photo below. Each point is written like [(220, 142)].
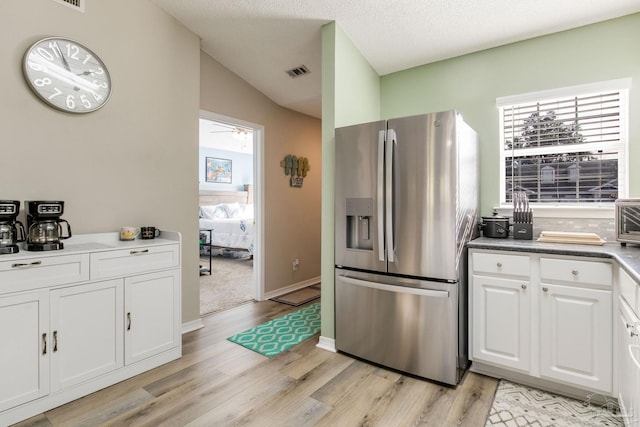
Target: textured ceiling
[(260, 39)]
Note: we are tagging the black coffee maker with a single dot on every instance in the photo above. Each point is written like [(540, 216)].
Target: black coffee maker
[(44, 225), (11, 230)]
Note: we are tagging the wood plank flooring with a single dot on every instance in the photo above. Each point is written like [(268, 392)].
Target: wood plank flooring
[(218, 383)]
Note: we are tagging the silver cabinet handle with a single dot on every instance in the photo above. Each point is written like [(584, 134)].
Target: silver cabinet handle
[(139, 252), (523, 286), (44, 343), (574, 272), (29, 264), (545, 289), (633, 334), (55, 341), (499, 265)]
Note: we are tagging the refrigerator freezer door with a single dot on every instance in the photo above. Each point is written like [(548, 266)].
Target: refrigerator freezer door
[(359, 197), (410, 329), (425, 194)]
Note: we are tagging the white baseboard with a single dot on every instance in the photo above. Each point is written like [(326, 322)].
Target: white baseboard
[(328, 344), (291, 288), (192, 326)]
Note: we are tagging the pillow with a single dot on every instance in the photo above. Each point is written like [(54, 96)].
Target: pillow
[(232, 209), (245, 212), (213, 212)]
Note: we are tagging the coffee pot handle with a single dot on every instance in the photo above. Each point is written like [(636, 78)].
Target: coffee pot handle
[(60, 221), (21, 232)]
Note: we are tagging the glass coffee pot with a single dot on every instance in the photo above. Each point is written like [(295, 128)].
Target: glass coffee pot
[(45, 230), (11, 230)]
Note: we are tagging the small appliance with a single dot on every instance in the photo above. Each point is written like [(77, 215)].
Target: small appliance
[(44, 225), (627, 217), (11, 230)]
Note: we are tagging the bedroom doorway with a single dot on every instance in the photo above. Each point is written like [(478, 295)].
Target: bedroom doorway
[(231, 210)]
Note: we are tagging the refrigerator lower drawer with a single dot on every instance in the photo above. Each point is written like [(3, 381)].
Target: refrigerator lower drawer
[(413, 330)]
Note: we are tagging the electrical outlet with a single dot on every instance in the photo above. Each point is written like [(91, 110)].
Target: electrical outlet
[(295, 264)]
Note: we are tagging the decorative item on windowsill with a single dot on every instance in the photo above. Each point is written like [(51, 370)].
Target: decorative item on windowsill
[(297, 168), (522, 216)]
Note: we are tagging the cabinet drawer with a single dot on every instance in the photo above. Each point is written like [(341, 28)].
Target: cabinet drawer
[(133, 261), (39, 272), (501, 263), (566, 270)]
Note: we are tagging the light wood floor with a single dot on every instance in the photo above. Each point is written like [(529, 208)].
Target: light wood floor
[(218, 383)]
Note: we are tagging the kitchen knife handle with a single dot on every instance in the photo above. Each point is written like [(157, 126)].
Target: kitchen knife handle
[(380, 195)]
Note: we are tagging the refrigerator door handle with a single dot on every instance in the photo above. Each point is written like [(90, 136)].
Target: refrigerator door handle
[(391, 140), (380, 195), (397, 289)]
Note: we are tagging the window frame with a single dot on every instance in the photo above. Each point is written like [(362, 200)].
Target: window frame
[(568, 209)]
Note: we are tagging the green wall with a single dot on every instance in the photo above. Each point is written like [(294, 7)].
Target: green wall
[(353, 93), (471, 84), (350, 95)]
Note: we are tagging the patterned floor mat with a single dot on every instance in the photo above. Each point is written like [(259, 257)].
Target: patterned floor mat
[(277, 335), (519, 405)]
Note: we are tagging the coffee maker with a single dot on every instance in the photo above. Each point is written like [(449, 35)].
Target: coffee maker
[(11, 230), (44, 225)]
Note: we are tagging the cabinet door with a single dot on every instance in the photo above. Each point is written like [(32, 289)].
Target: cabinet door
[(576, 335), (626, 368), (501, 321), (24, 354), (86, 332), (152, 314)]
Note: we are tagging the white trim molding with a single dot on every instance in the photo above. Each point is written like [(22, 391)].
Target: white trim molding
[(291, 288), (328, 344), (192, 326)]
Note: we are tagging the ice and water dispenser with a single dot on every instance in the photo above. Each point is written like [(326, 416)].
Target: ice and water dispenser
[(360, 224)]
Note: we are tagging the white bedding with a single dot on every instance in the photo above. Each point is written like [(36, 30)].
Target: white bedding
[(232, 225)]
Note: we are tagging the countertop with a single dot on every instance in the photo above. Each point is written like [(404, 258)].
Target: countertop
[(627, 256)]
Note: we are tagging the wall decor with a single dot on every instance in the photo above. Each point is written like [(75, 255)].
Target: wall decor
[(218, 170), (296, 167)]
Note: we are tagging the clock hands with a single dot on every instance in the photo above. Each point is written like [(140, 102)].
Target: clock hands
[(66, 64)]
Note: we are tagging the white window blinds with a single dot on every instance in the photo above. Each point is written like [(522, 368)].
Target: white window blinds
[(567, 148)]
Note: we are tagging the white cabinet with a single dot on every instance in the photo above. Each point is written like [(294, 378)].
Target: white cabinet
[(576, 336), (152, 310), (75, 321), (24, 358), (86, 332), (501, 321), (544, 316)]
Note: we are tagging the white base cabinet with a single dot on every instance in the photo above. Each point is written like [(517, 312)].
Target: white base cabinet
[(501, 327), (542, 316), (73, 322)]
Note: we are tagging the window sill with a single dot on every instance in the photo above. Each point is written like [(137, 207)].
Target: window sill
[(558, 211)]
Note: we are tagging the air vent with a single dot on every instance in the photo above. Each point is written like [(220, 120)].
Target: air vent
[(73, 4), (298, 71)]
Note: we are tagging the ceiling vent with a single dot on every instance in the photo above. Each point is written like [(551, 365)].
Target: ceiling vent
[(298, 71), (73, 4)]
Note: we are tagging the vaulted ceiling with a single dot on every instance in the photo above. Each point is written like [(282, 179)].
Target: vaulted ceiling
[(259, 40)]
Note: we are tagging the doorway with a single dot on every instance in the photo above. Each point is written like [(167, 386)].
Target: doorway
[(230, 162)]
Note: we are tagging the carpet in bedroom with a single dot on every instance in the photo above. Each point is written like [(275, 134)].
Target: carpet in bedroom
[(229, 285)]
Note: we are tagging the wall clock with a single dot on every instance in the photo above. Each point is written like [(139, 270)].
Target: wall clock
[(66, 75)]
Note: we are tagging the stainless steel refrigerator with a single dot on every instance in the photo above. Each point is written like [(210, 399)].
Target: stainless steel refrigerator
[(406, 203)]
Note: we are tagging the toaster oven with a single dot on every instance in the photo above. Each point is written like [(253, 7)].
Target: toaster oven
[(627, 221)]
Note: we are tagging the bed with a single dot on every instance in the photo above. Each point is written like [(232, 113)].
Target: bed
[(230, 217)]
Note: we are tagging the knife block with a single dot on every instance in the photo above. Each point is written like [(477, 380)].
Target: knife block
[(523, 231)]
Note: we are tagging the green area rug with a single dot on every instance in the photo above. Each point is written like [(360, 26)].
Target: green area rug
[(277, 335)]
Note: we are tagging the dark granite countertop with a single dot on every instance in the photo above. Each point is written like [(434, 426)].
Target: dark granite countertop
[(627, 256)]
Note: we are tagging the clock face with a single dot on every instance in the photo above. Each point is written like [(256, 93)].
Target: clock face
[(66, 75)]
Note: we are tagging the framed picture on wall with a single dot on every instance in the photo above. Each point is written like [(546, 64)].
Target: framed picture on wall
[(218, 170)]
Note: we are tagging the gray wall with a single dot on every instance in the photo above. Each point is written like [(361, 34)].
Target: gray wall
[(133, 162)]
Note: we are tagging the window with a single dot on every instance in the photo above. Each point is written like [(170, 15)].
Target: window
[(565, 146)]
